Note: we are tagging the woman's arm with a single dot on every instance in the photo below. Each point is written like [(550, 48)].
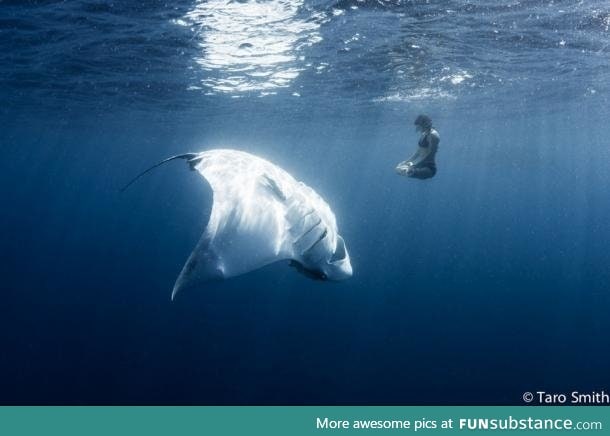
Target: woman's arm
[(422, 153), (415, 155)]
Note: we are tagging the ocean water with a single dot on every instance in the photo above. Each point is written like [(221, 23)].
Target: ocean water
[(489, 280)]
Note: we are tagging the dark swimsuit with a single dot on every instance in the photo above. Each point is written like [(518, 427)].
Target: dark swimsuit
[(426, 168)]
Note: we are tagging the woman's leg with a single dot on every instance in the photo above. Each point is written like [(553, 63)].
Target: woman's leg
[(422, 173)]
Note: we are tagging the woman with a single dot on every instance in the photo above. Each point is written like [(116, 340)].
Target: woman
[(422, 165)]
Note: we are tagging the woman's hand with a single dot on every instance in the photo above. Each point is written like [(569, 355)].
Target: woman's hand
[(403, 168)]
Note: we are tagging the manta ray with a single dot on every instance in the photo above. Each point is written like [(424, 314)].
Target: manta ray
[(260, 215)]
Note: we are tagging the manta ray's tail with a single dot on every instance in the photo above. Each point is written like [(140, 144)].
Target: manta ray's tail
[(190, 157)]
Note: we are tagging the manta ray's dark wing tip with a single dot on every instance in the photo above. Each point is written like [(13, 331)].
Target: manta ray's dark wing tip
[(190, 157)]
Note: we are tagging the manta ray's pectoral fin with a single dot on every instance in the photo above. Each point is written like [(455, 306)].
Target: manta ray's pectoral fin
[(203, 265)]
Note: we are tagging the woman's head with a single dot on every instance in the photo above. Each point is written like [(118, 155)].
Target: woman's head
[(423, 122)]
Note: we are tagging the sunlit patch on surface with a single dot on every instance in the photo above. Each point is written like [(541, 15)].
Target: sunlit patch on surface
[(251, 46), (457, 77), (416, 95), (438, 87)]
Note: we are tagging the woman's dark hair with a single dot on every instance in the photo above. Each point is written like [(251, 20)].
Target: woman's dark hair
[(424, 121)]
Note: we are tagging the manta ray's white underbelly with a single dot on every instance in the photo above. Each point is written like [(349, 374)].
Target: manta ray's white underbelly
[(260, 215)]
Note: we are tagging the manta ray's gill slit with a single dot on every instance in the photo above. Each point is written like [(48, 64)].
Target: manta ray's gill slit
[(308, 231), (320, 238), (298, 223)]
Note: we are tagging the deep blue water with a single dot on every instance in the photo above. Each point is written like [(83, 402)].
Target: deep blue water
[(486, 281)]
